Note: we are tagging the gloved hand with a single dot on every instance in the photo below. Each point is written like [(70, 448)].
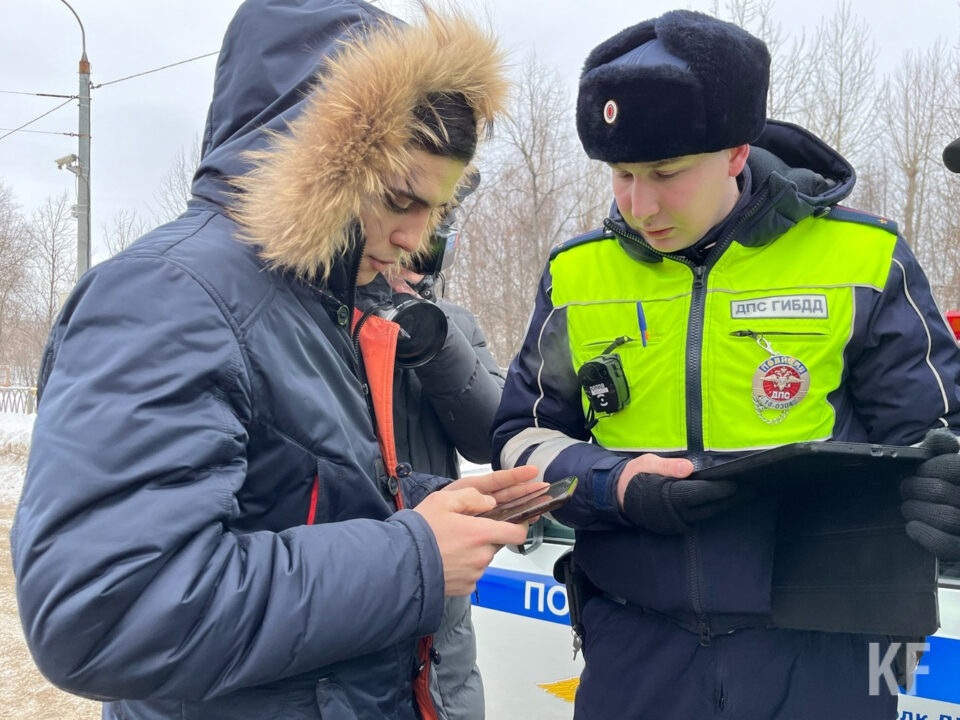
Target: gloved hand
[(931, 497), (672, 506)]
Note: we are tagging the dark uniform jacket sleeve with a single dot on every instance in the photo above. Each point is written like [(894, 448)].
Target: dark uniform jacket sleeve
[(905, 370), (540, 421)]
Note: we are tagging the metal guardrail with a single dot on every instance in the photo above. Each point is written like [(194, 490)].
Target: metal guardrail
[(18, 400)]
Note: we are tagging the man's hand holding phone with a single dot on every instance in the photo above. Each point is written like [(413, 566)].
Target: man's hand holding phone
[(468, 543), (533, 504)]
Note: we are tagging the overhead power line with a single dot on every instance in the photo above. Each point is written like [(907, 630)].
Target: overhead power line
[(111, 82), (147, 72), (43, 132), (37, 118), (92, 87), (16, 92)]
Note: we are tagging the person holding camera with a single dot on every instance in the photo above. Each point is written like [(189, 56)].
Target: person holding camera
[(211, 524), (728, 304), (446, 389)]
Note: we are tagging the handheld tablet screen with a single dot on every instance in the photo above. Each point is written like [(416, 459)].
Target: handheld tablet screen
[(536, 503), (818, 460)]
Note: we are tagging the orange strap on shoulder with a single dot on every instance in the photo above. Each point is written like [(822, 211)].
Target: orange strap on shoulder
[(378, 346)]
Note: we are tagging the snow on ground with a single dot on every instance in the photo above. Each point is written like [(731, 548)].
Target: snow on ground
[(11, 481), (15, 431)]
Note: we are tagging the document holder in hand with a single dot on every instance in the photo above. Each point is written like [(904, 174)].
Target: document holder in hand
[(842, 560)]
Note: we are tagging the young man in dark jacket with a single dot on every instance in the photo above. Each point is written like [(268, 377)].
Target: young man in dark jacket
[(741, 308), (209, 527)]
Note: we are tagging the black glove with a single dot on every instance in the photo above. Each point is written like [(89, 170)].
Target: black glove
[(931, 497), (672, 506)]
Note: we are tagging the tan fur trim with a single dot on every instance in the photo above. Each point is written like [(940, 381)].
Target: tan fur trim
[(305, 192)]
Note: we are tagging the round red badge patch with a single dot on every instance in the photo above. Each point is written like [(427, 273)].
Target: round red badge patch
[(780, 382)]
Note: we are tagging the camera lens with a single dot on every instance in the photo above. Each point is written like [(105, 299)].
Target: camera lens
[(589, 373), (425, 326)]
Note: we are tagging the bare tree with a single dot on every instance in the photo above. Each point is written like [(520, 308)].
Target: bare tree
[(13, 261), (593, 196), (790, 63), (841, 98), (22, 347), (52, 256), (874, 191), (127, 227), (912, 119), (173, 193), (938, 223), (943, 267), (538, 190)]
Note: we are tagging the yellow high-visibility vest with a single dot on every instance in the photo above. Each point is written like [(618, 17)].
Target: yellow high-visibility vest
[(796, 292)]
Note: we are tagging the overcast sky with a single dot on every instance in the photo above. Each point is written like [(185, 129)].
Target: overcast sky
[(139, 126)]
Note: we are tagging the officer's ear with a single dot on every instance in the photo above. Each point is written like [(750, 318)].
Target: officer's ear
[(738, 158)]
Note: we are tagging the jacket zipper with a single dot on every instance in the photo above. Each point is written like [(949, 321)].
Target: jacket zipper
[(355, 335), (694, 392), (694, 335), (692, 379), (361, 370)]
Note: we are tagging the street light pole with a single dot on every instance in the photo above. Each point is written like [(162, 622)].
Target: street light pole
[(83, 174)]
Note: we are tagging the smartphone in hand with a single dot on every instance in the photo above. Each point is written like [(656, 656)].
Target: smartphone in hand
[(532, 504)]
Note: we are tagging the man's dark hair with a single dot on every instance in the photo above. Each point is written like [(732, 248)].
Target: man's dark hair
[(446, 126)]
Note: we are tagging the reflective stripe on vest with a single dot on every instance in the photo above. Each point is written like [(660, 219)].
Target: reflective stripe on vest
[(798, 292)]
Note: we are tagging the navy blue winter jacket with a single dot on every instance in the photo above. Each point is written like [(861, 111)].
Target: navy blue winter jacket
[(197, 406)]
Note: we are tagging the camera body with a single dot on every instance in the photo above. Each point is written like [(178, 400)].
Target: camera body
[(423, 328), (604, 384), (66, 161)]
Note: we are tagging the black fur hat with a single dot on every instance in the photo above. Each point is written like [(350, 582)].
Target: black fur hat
[(681, 84)]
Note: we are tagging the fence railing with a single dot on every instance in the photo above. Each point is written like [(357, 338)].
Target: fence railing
[(18, 400)]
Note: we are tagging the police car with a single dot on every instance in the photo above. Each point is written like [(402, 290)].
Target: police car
[(525, 644)]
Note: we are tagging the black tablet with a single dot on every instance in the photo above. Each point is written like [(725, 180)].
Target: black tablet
[(819, 460), (842, 559)]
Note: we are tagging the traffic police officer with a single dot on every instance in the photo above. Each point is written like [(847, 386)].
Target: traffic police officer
[(728, 304)]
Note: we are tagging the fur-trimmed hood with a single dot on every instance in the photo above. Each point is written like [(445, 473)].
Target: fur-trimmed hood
[(296, 170)]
